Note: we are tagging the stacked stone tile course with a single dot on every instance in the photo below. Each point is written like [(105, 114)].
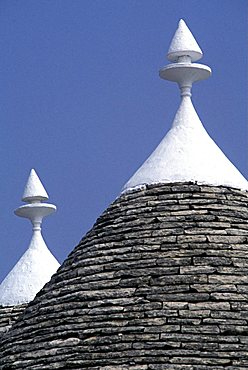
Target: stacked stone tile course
[(160, 282), (8, 315)]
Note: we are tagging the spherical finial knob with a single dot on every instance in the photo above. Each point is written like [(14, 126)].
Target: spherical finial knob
[(184, 45)]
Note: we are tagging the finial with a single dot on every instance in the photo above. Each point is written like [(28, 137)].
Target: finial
[(34, 190), (183, 51), (35, 268), (186, 153), (34, 193), (184, 45)]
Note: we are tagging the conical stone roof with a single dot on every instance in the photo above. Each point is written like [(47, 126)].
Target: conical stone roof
[(160, 282)]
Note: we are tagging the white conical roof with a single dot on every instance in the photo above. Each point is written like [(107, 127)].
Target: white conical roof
[(187, 153), (184, 43), (29, 275), (35, 268), (34, 190)]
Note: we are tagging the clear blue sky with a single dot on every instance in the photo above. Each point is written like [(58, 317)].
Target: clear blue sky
[(82, 103)]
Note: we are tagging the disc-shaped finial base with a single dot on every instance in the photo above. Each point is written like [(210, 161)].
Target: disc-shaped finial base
[(35, 210), (185, 72)]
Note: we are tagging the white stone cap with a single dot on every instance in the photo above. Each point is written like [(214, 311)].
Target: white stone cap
[(34, 189), (35, 268), (187, 153), (184, 43)]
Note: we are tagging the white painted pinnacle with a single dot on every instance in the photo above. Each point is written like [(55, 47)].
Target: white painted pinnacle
[(187, 153), (184, 44), (35, 268), (34, 190)]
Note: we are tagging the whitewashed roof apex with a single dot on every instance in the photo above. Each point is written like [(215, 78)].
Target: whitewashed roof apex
[(187, 153)]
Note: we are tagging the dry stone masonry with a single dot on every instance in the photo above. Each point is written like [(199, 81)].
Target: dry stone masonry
[(160, 282), (8, 315)]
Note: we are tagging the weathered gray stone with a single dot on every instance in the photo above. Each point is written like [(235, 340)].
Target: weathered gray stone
[(205, 329), (160, 282), (222, 306), (8, 315), (197, 270), (227, 279), (212, 261), (191, 239), (227, 239)]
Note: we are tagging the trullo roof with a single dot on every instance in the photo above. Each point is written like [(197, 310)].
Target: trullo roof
[(160, 282)]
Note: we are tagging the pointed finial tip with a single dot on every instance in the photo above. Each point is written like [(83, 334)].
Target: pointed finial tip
[(34, 189), (184, 44), (181, 22)]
